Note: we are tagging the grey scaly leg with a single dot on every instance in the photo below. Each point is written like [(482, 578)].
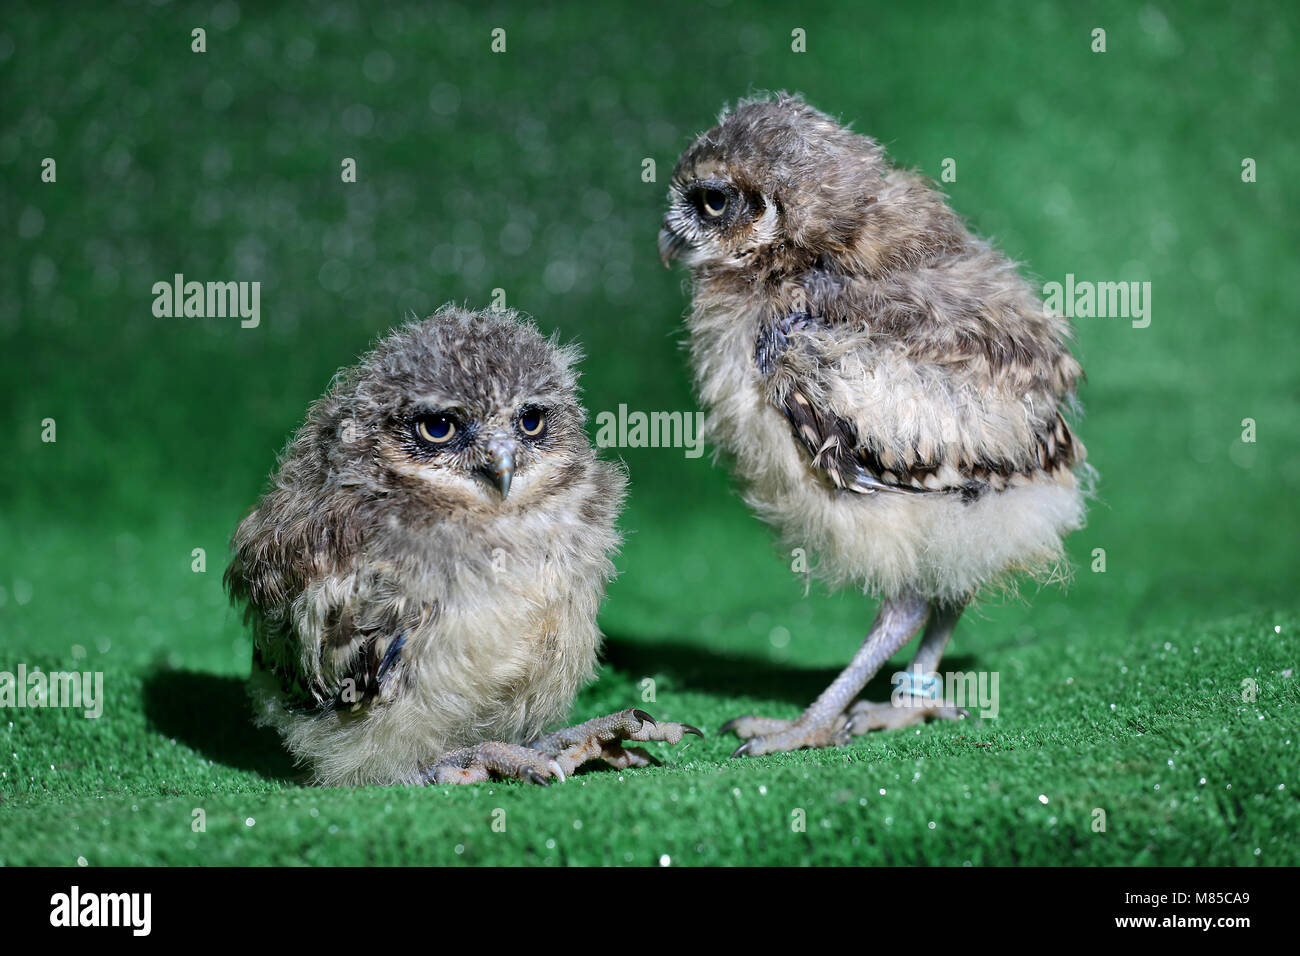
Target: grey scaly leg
[(823, 724), (914, 708)]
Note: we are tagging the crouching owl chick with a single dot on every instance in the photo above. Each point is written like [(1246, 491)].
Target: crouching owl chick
[(890, 389), (423, 574)]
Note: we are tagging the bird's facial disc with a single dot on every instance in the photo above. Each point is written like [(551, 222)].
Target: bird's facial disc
[(715, 222), (452, 446)]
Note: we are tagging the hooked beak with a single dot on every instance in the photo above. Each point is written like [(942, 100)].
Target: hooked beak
[(500, 465), (670, 246)]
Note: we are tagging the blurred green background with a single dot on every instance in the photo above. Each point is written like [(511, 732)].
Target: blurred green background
[(522, 171)]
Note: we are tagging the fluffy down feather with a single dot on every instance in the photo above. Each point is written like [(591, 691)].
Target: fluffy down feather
[(888, 385), (401, 608)]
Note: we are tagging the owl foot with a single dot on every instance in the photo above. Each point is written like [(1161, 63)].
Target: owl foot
[(833, 719), (557, 755), (770, 736), (867, 715), (767, 735), (603, 739), (494, 760), (751, 726)]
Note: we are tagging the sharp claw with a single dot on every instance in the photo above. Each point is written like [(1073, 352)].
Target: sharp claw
[(535, 777), (558, 771), (687, 728), (642, 716), (729, 725), (743, 749)]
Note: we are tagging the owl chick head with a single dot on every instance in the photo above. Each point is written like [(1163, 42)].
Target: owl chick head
[(775, 175), (467, 408)]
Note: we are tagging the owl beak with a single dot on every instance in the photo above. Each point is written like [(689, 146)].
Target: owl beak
[(670, 246), (500, 465)]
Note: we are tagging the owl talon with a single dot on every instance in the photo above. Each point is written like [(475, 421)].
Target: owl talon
[(751, 726), (770, 735), (494, 761), (603, 738), (766, 735), (622, 758), (796, 737), (867, 715)]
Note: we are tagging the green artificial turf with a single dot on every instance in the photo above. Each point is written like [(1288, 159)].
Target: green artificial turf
[(522, 171)]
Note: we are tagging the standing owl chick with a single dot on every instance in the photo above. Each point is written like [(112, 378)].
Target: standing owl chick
[(889, 387), (423, 574)]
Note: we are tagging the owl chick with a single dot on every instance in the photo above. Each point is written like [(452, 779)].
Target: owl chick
[(423, 574), (889, 387)]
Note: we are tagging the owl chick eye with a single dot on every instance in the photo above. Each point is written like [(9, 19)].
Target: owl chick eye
[(713, 202), (532, 422), (436, 429)]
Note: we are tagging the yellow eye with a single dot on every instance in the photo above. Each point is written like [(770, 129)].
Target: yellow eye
[(713, 202), (532, 422), (435, 429)]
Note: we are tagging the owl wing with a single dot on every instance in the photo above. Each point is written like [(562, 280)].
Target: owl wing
[(329, 623), (868, 464), (339, 644)]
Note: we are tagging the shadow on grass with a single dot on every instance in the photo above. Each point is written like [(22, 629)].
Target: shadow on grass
[(730, 675), (212, 714)]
